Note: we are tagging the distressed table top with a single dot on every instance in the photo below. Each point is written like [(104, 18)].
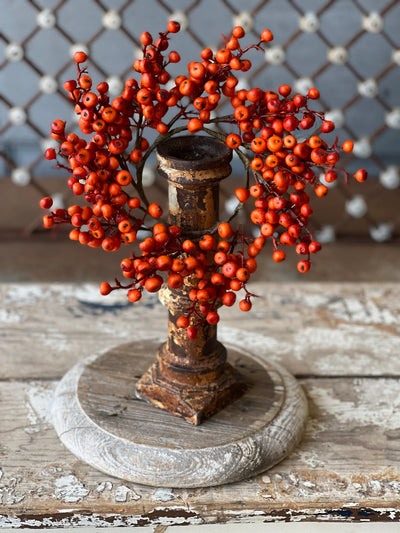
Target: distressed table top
[(342, 342)]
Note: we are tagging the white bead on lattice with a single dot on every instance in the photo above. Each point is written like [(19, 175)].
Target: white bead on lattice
[(46, 19), (78, 47), (390, 177), (392, 118), (242, 85), (169, 85), (326, 234), (328, 184), (381, 232), (338, 55), (74, 118), (115, 84), (356, 206), (48, 142), (396, 56), (112, 20), (244, 19), (309, 22), (17, 115), (48, 84), (372, 22), (362, 148), (275, 55), (21, 176), (58, 201), (302, 85), (336, 116), (179, 16), (148, 176), (14, 52), (137, 53), (368, 88), (231, 204)]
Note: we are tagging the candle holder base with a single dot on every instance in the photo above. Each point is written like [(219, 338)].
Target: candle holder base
[(192, 403), (99, 418)]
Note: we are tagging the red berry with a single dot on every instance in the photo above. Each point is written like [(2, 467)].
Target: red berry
[(212, 318), (80, 57), (266, 36), (361, 175), (182, 322), (347, 146), (155, 210), (191, 332), (327, 126), (134, 295), (46, 203), (146, 39), (313, 93), (50, 154), (245, 305), (314, 247), (105, 288), (278, 256), (225, 230), (173, 26), (303, 266)]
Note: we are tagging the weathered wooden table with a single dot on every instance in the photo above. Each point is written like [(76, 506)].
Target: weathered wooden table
[(342, 341)]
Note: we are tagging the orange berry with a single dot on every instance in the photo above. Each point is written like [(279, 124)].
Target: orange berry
[(245, 305), (105, 288), (225, 230), (233, 140), (278, 256), (194, 125), (266, 36), (238, 32), (173, 26), (242, 194), (361, 175), (80, 57), (347, 146), (182, 322), (134, 295), (155, 210)]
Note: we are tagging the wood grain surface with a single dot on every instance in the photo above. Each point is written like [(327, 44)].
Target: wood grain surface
[(341, 340)]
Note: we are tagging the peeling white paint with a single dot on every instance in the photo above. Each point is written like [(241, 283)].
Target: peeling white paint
[(38, 401), (24, 294), (55, 340), (346, 348), (163, 495), (104, 485), (69, 489), (9, 316), (386, 414), (124, 493)]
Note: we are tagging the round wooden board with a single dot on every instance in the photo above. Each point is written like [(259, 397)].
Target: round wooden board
[(98, 417)]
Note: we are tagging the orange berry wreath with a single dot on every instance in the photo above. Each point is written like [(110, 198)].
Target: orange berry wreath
[(106, 170)]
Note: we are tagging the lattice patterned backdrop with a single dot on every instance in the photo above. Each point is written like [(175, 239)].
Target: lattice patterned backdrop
[(349, 49)]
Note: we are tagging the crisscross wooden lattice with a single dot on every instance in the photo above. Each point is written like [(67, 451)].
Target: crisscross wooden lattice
[(350, 50)]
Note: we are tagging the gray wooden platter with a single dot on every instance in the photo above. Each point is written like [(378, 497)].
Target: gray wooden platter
[(99, 419)]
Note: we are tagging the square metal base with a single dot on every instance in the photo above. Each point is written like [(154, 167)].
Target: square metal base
[(194, 404)]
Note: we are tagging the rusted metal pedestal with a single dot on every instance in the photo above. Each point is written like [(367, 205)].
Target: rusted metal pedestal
[(191, 378)]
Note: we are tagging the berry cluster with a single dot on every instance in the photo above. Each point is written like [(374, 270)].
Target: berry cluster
[(106, 171)]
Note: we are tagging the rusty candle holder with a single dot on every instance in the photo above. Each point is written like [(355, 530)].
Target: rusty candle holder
[(191, 377)]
